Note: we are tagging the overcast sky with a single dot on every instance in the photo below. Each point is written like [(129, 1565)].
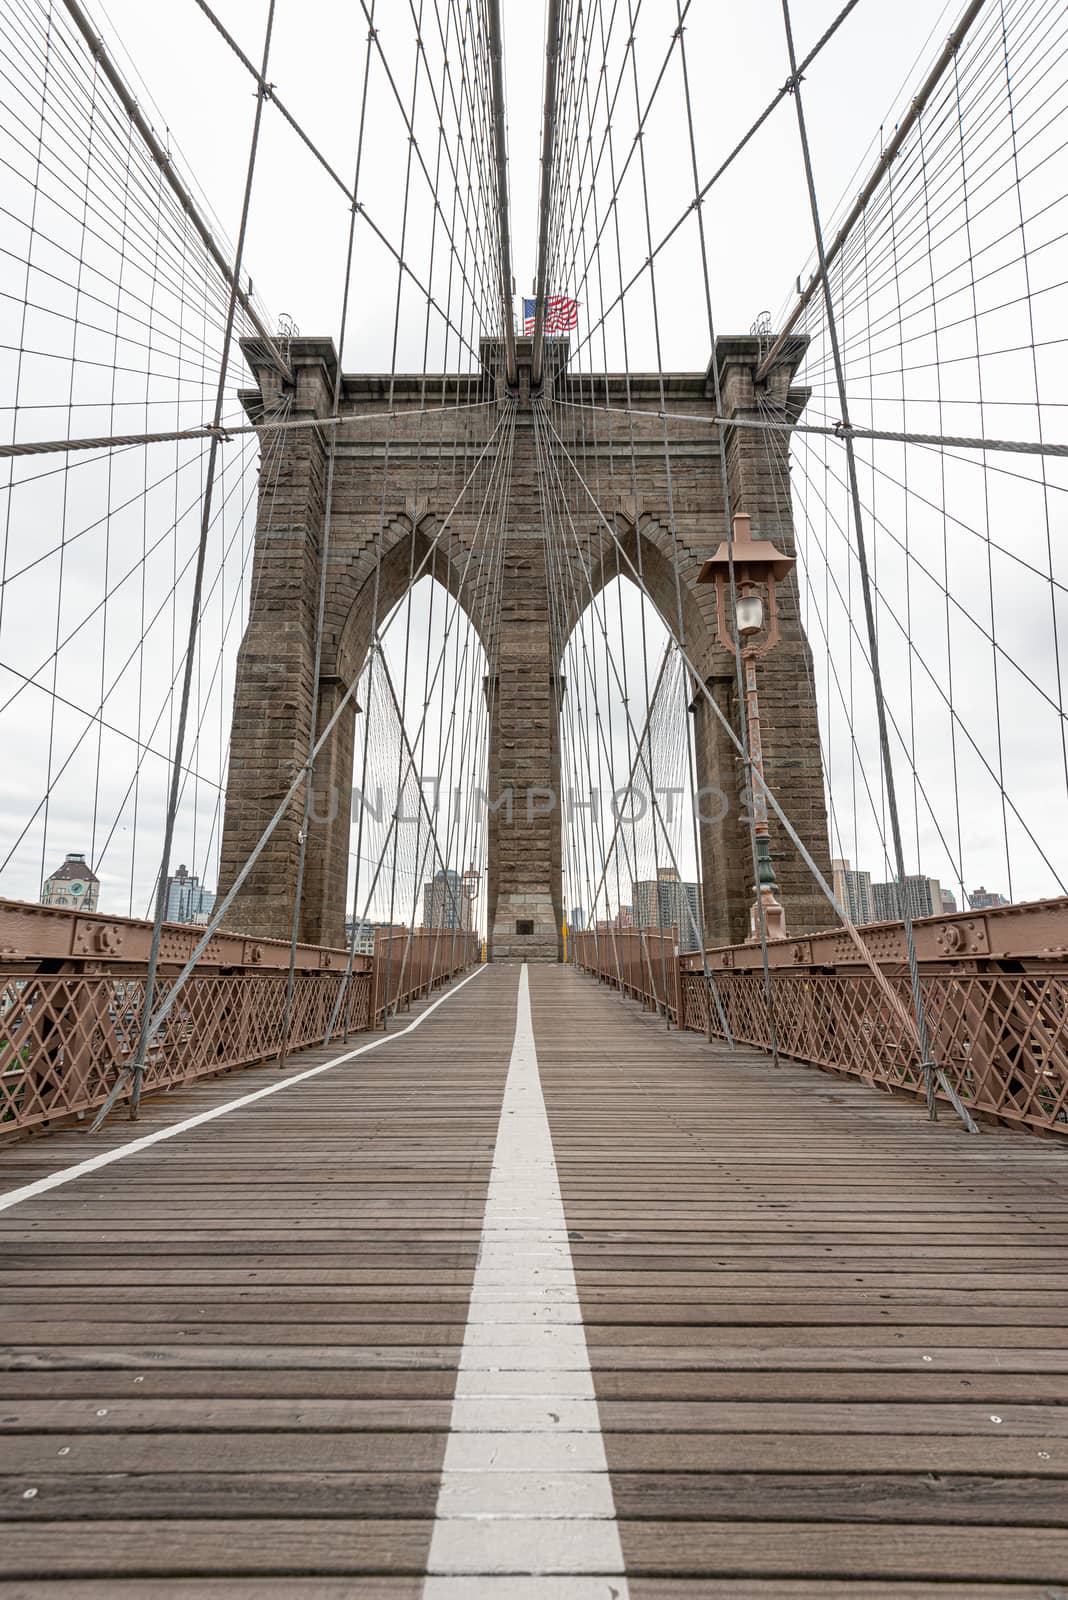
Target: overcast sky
[(759, 231)]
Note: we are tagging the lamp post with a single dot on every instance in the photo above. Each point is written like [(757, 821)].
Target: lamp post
[(758, 568), (472, 883)]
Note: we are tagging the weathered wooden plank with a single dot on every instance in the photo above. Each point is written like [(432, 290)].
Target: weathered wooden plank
[(621, 1302), (779, 1227), (639, 1496), (217, 1588), (94, 1414), (234, 1495), (627, 1452), (844, 1550), (951, 1498), (929, 1386), (173, 1546), (376, 1588), (312, 1545)]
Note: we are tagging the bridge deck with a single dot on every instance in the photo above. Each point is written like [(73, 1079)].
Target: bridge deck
[(790, 1339)]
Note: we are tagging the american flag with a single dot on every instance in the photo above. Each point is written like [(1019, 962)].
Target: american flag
[(561, 314)]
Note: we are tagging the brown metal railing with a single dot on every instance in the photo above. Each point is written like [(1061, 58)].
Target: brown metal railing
[(72, 989), (995, 992), (65, 1039), (642, 962), (1002, 1041), (409, 962)]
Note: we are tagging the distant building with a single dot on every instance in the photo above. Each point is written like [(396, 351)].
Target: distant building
[(923, 896), (444, 903), (187, 899), (365, 936), (982, 899), (578, 920), (74, 885), (852, 890), (623, 921), (949, 902), (666, 902)]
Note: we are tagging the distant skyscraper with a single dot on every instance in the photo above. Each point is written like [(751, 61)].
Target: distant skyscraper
[(187, 899), (983, 899), (949, 902), (852, 890), (74, 885), (923, 896), (444, 903), (666, 902), (578, 919)]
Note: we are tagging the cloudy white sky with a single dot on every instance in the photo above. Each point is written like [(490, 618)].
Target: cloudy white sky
[(201, 101)]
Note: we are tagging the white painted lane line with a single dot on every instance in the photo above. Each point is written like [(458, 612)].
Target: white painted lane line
[(55, 1180), (525, 1506), (546, 1588)]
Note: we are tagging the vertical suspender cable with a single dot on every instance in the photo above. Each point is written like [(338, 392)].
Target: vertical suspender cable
[(927, 1062)]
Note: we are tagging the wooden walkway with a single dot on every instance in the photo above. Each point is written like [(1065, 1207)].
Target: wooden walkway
[(784, 1339)]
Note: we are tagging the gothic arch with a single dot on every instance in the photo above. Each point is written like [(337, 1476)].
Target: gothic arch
[(646, 541), (406, 546)]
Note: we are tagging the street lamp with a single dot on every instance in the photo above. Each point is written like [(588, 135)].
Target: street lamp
[(758, 568), (472, 882)]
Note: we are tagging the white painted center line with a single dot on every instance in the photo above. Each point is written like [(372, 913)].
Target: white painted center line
[(525, 1506)]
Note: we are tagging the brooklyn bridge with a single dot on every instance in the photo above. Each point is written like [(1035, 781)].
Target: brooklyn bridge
[(512, 1080)]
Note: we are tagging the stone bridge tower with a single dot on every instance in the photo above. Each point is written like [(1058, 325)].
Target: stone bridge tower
[(394, 483)]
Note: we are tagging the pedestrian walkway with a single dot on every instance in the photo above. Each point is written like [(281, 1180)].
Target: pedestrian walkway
[(534, 1298)]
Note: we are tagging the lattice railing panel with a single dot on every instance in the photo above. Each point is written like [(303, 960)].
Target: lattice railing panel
[(1002, 1041), (65, 1039)]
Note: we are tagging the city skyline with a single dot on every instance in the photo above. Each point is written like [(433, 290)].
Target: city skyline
[(867, 901)]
